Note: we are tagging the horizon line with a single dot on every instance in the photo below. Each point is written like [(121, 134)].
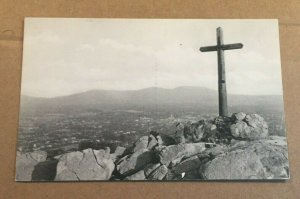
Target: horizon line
[(152, 87)]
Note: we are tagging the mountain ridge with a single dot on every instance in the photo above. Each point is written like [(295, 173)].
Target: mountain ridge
[(143, 89), (152, 97)]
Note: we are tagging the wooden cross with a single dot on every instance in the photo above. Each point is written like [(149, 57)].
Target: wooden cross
[(220, 47)]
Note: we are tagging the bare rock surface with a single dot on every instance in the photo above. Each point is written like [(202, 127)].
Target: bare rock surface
[(119, 152), (152, 142), (150, 168), (26, 162), (135, 162), (175, 152), (260, 159), (190, 164), (159, 173), (141, 144), (140, 175), (88, 164)]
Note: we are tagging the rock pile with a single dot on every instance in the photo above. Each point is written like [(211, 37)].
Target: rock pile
[(236, 147), (222, 129), (250, 127)]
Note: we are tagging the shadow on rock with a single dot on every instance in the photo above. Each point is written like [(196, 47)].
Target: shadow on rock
[(44, 171)]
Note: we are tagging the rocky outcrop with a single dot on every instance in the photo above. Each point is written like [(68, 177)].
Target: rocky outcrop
[(236, 147), (88, 164), (263, 159), (26, 162), (240, 126)]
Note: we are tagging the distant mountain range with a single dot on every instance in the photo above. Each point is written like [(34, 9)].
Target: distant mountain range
[(148, 98)]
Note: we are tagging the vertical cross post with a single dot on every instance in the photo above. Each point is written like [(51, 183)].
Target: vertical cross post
[(223, 108), (220, 47)]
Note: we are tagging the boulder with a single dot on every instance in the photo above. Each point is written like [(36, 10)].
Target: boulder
[(170, 153), (190, 164), (140, 144), (26, 162), (134, 162), (152, 142), (119, 152), (150, 168), (159, 173), (259, 159), (189, 132), (176, 161), (173, 152), (214, 150), (140, 175), (251, 127), (238, 116), (194, 148), (88, 164), (160, 139)]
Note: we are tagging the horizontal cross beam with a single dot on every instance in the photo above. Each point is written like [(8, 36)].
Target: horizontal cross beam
[(222, 47)]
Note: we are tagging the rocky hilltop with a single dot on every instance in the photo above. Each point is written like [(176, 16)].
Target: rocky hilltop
[(236, 147)]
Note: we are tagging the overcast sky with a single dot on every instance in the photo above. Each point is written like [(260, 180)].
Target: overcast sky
[(66, 56)]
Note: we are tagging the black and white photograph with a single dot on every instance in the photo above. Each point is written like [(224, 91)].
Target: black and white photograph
[(151, 100)]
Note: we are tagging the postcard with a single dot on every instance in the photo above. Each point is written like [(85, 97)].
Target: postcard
[(151, 99)]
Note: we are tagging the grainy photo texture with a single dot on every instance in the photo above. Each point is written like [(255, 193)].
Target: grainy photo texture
[(151, 99)]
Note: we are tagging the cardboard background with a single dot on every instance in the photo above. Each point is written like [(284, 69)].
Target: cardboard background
[(12, 13)]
